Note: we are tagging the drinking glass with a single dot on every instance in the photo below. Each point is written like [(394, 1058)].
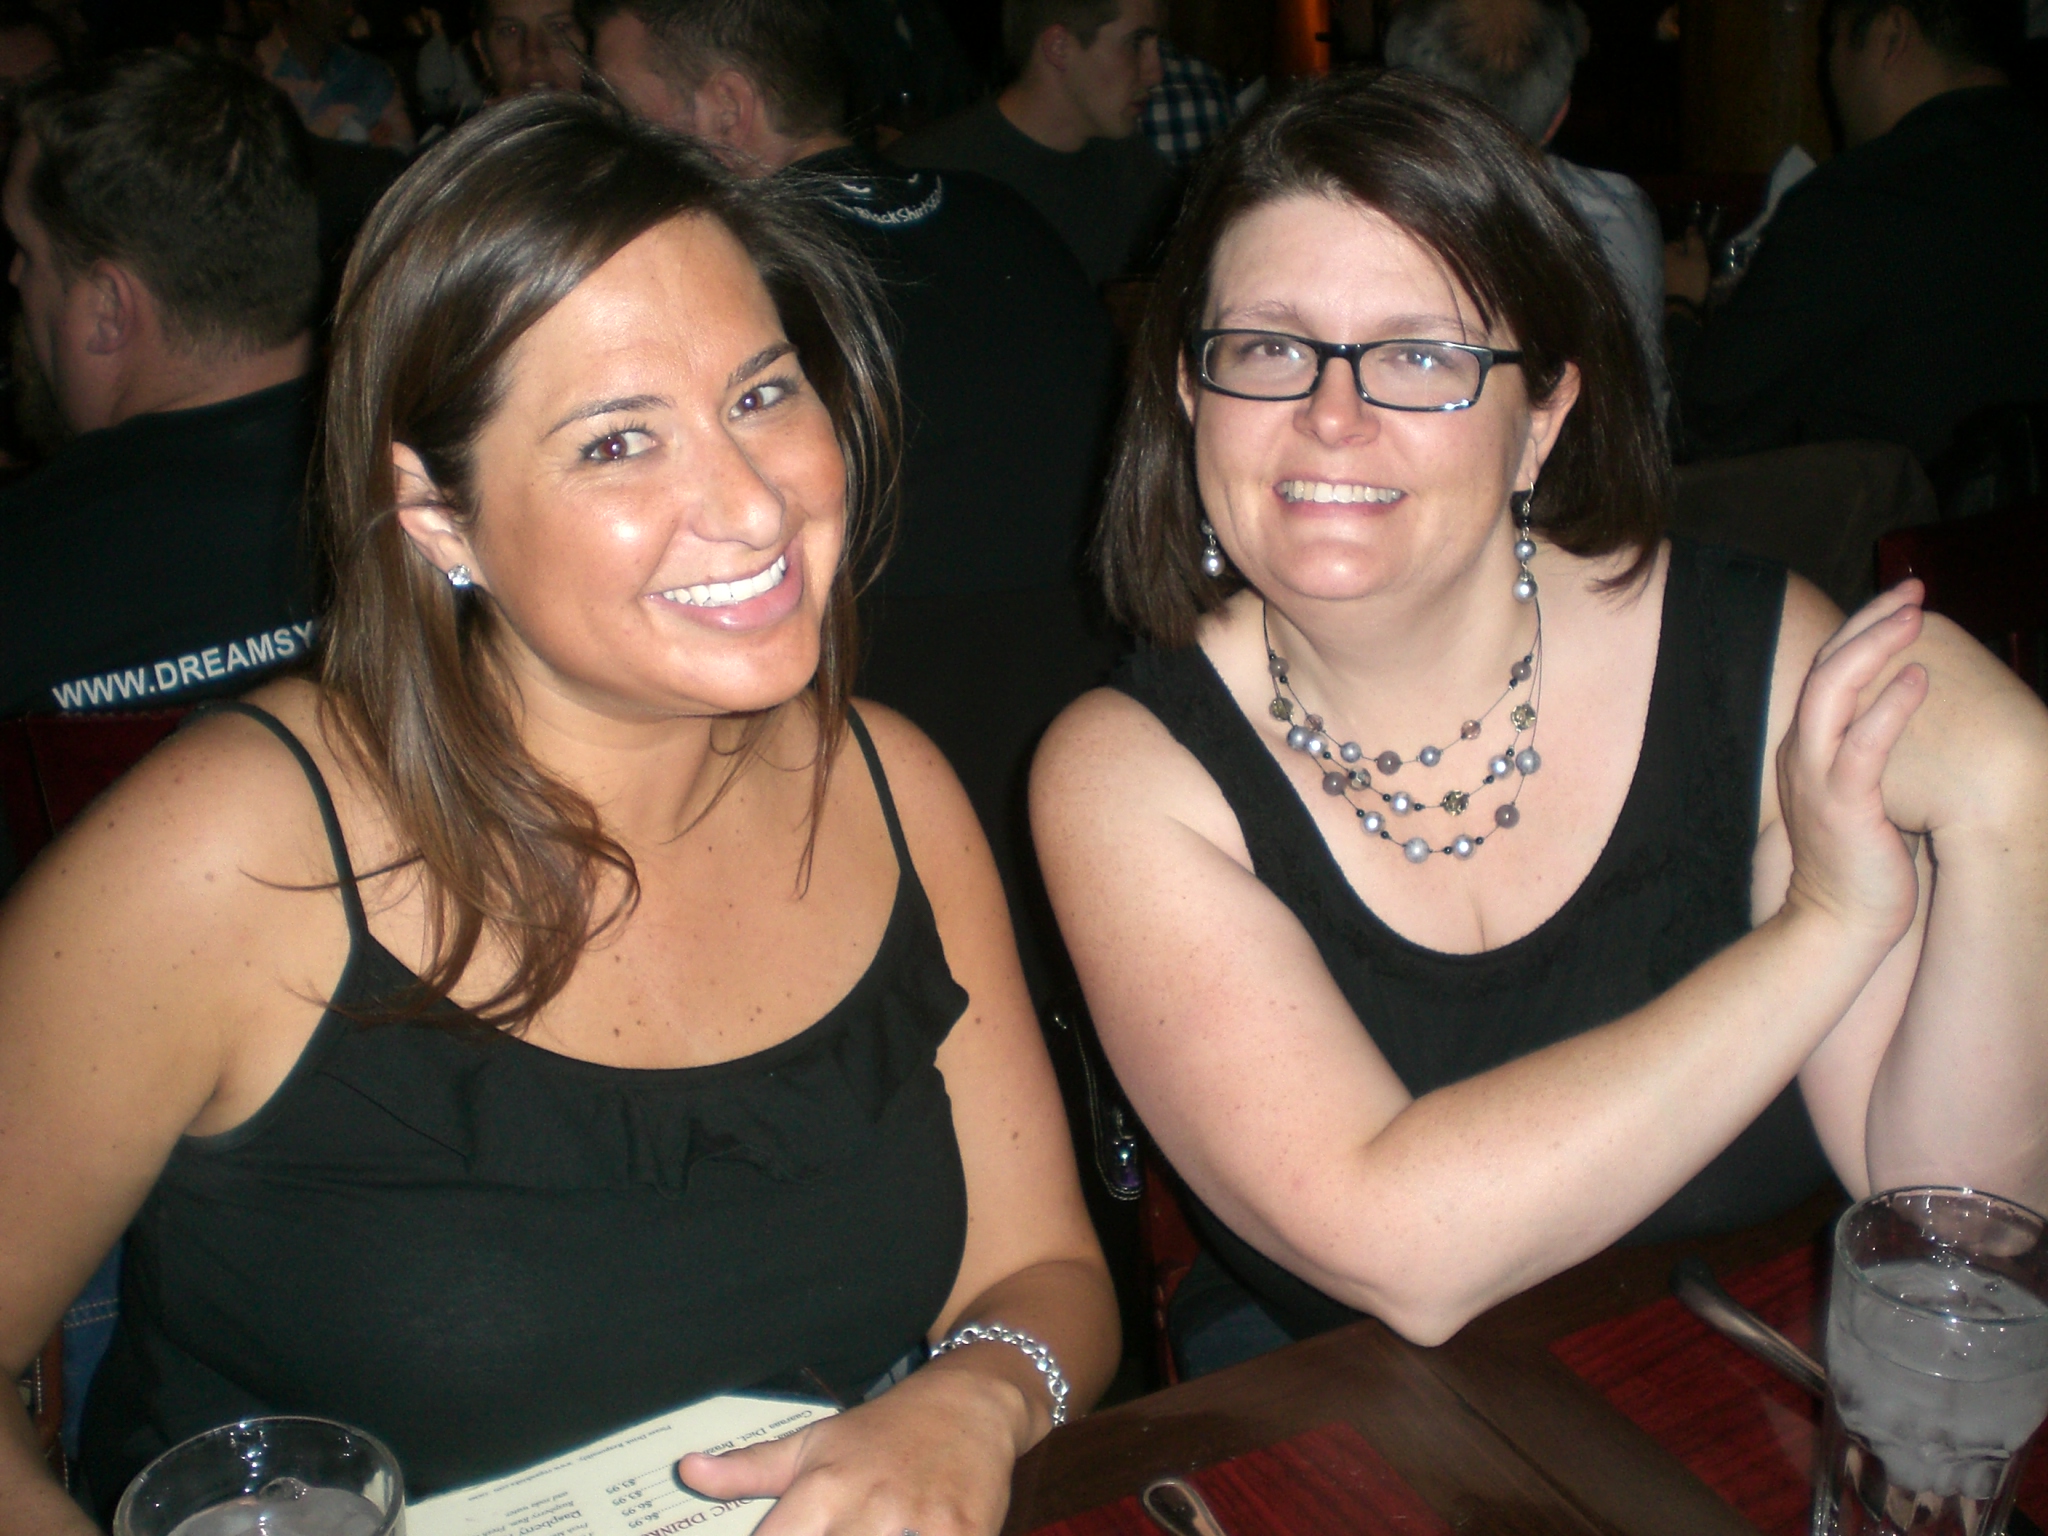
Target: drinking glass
[(1937, 1358), (268, 1477)]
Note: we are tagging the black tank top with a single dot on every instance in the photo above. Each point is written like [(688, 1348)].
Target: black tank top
[(486, 1253), (1669, 890)]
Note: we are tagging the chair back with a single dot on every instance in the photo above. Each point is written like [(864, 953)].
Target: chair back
[(1989, 574), (1817, 508)]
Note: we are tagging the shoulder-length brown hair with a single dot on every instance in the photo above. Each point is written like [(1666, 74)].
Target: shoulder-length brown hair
[(1464, 183), (470, 248)]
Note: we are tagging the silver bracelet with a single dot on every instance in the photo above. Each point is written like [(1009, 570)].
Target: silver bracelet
[(1035, 1349)]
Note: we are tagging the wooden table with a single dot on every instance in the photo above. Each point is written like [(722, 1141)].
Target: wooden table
[(1490, 1429)]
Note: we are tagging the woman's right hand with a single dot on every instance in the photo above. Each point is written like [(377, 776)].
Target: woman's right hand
[(1849, 861)]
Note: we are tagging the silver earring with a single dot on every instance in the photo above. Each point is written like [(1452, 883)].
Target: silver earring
[(1212, 552), (459, 577), (1525, 547)]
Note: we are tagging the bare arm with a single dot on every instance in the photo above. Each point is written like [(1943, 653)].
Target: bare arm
[(1939, 1073), (934, 1454), (30, 1499), (126, 967), (1248, 1065)]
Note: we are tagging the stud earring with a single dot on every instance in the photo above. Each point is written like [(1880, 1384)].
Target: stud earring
[(459, 577), (1525, 547), (1212, 552)]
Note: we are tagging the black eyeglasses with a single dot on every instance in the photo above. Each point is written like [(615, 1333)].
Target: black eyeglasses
[(1401, 375)]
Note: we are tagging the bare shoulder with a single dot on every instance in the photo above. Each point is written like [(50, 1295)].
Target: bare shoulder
[(943, 833), (1105, 730), (930, 803), (214, 804), (1108, 768), (143, 947)]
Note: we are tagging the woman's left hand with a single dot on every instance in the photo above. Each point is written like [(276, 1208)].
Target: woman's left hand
[(933, 1455)]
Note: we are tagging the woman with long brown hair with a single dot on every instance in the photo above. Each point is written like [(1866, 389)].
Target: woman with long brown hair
[(566, 1004), (1468, 876)]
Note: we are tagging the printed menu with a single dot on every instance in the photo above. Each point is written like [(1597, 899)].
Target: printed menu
[(625, 1483)]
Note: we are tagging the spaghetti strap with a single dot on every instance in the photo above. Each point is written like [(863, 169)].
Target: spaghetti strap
[(881, 782), (344, 869)]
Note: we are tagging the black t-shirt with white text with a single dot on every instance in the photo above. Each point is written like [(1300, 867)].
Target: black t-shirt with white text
[(160, 561)]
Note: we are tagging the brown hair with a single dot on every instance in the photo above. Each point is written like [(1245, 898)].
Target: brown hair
[(1463, 182), (1964, 32), (790, 49), (471, 247), (192, 172), (1025, 21)]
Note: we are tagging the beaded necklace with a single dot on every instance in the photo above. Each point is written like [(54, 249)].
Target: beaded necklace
[(1346, 773)]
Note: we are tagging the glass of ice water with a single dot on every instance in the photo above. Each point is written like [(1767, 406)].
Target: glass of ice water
[(1937, 1359), (268, 1477)]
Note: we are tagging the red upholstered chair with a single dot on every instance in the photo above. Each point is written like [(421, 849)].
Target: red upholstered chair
[(1988, 573), (51, 767)]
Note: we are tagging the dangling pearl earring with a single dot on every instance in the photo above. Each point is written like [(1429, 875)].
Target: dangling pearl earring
[(459, 577), (1212, 552), (1525, 547)]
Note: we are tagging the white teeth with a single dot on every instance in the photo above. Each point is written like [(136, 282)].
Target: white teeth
[(723, 594), (1325, 490)]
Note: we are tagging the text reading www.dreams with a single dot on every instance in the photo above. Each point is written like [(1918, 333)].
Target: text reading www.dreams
[(191, 670)]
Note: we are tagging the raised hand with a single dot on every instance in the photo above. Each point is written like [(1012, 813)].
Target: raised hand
[(1849, 860)]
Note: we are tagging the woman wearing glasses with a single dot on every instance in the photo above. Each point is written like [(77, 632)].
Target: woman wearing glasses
[(1468, 878)]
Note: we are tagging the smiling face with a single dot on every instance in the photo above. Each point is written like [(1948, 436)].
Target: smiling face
[(660, 497), (1330, 497), (1107, 82)]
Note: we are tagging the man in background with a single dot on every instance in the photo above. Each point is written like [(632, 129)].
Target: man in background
[(1064, 133), (976, 629), (529, 45), (1898, 287), (1519, 56), (166, 258)]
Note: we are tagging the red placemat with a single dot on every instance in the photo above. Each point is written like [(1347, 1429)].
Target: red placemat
[(1744, 1430), (1327, 1480)]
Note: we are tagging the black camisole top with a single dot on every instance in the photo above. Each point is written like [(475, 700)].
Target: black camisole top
[(486, 1253), (1669, 890)]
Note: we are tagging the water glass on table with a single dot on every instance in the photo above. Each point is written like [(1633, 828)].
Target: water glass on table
[(268, 1477), (1937, 1361)]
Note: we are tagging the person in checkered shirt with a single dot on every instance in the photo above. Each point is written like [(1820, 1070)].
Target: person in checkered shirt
[(1190, 108)]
